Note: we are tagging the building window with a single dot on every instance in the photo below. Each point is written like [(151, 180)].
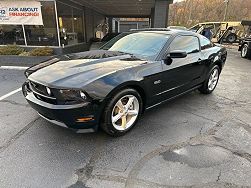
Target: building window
[(11, 34), (45, 35), (70, 24), (78, 27)]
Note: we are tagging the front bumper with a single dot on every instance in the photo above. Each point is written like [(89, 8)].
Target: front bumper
[(68, 116)]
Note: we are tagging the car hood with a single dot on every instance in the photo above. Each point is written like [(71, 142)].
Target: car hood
[(80, 72)]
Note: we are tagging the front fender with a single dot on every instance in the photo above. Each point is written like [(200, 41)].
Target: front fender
[(103, 89), (243, 42), (106, 86)]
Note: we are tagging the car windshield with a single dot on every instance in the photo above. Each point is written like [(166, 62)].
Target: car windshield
[(111, 42), (142, 45)]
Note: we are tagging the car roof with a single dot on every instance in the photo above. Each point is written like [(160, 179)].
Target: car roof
[(166, 31)]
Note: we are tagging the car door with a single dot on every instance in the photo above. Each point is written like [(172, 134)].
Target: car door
[(183, 73)]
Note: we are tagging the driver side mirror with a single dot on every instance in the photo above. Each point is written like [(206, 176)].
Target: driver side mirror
[(174, 54), (177, 54)]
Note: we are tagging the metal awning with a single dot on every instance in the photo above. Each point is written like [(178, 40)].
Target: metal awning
[(121, 8)]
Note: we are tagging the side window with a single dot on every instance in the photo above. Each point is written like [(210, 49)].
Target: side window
[(205, 43), (189, 44)]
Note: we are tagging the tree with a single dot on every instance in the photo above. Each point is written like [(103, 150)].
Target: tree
[(191, 12)]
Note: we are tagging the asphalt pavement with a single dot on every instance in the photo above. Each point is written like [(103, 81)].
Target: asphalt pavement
[(193, 141)]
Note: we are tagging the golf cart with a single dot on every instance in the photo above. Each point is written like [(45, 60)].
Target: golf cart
[(245, 41)]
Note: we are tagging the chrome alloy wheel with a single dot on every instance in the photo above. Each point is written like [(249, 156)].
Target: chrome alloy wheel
[(125, 112), (244, 51), (214, 77)]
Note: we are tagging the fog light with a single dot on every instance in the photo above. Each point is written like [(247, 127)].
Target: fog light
[(81, 120), (83, 96), (48, 90)]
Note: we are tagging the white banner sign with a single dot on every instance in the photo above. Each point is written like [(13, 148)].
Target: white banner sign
[(20, 13)]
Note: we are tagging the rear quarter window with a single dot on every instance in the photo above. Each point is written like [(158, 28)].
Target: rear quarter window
[(205, 43)]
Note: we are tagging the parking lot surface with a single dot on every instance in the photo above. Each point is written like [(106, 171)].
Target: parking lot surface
[(193, 141)]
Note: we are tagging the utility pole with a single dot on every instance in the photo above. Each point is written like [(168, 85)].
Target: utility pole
[(226, 9), (190, 9)]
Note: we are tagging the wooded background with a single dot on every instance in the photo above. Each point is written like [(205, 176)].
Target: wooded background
[(190, 12)]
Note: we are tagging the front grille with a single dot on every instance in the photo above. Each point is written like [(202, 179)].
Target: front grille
[(38, 88), (45, 99), (40, 93)]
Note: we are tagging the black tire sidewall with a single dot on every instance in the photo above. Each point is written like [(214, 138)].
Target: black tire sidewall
[(204, 89), (107, 122), (246, 55)]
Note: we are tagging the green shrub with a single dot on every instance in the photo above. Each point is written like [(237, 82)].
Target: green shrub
[(45, 51), (11, 50), (24, 54)]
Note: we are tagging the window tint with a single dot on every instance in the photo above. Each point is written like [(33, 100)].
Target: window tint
[(143, 44), (189, 44), (205, 43)]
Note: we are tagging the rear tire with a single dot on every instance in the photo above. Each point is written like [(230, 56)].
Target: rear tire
[(231, 38), (245, 52), (122, 112), (211, 82)]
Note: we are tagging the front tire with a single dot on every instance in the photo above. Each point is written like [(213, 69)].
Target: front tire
[(211, 82), (122, 112), (245, 53)]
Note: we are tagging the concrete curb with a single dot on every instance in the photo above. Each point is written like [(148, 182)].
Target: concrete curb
[(23, 61)]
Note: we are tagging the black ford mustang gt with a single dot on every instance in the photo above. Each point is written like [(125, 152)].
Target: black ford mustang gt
[(112, 88)]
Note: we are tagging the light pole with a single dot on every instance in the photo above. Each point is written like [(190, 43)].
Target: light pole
[(226, 9), (190, 10)]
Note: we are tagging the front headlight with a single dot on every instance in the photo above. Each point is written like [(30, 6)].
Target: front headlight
[(83, 95), (48, 91), (73, 96)]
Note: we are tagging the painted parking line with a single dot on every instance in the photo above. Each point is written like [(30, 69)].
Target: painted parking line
[(13, 68), (11, 93)]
